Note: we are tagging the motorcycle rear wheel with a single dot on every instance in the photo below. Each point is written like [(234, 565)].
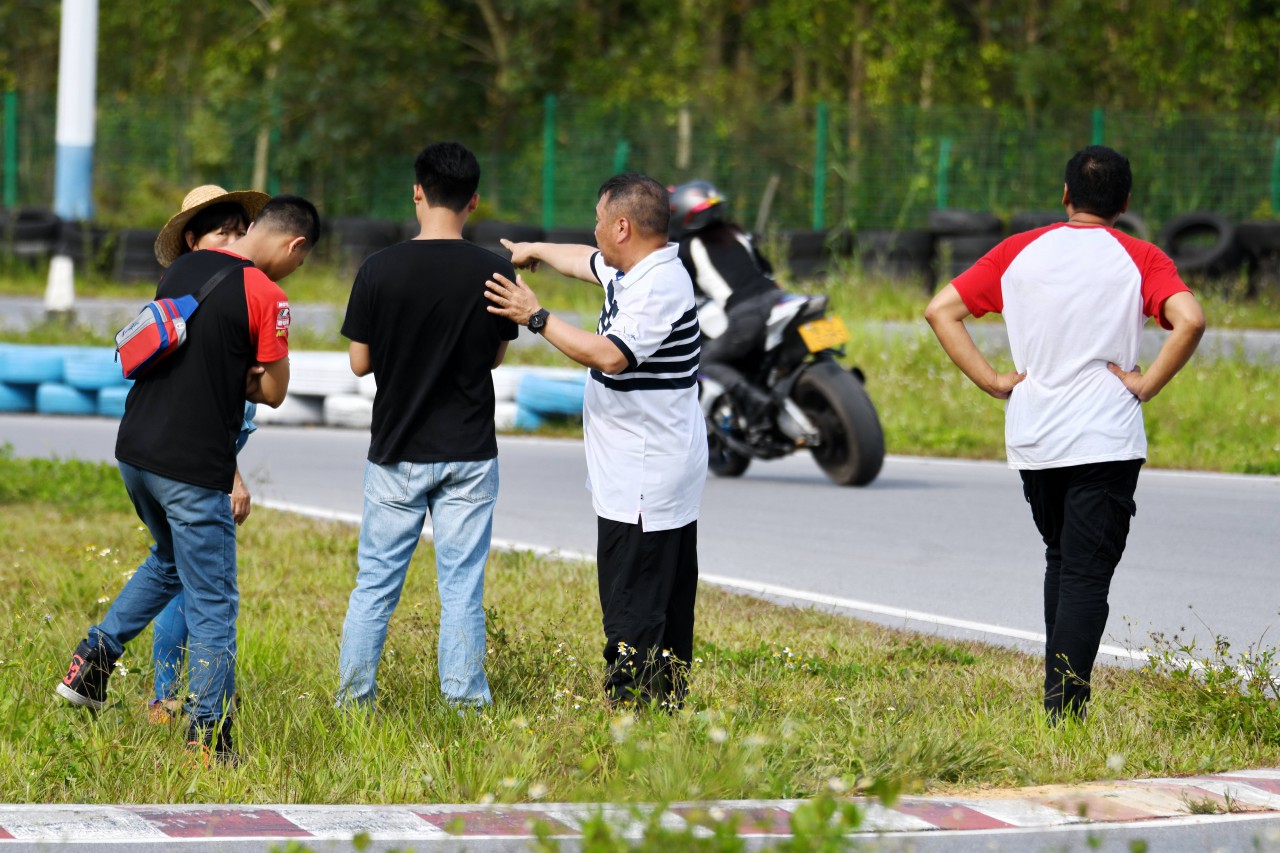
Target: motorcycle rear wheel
[(851, 451), (722, 460)]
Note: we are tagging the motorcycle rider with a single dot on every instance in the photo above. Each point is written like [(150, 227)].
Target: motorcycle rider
[(734, 287)]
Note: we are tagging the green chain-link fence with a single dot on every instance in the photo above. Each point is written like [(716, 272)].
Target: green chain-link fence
[(803, 167)]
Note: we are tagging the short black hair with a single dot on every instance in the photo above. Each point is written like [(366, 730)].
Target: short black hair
[(1099, 181), (225, 214), (291, 214), (448, 173), (642, 199)]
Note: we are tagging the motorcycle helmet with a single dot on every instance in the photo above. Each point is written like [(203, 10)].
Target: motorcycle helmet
[(696, 205)]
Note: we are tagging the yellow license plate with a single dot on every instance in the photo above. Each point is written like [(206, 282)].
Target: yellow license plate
[(824, 333)]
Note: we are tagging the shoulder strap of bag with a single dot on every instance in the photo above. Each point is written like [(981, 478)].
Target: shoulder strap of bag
[(217, 278)]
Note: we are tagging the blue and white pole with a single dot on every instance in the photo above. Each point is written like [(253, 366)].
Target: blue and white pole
[(73, 176)]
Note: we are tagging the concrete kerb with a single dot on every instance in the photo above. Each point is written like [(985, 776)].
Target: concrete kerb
[(512, 826)]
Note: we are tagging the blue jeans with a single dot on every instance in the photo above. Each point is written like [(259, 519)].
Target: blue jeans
[(397, 498), (169, 638), (194, 553), (168, 644)]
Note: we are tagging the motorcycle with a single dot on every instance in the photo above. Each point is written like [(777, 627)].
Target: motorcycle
[(817, 405)]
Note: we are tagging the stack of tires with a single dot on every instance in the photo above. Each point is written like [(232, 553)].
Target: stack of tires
[(1260, 241), (136, 256), (61, 380), (902, 256), (31, 234), (347, 241), (488, 233), (961, 237), (547, 396)]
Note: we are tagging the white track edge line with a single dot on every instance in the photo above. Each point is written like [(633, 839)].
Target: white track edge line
[(744, 585)]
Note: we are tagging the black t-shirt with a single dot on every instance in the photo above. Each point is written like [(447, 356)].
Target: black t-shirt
[(421, 309), (182, 417)]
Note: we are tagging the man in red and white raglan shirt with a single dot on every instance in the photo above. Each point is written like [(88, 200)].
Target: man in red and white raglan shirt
[(176, 449), (1075, 297)]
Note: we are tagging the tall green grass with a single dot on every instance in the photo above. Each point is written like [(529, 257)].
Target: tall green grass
[(784, 703)]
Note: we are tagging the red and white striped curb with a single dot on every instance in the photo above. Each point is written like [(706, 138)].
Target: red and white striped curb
[(1116, 802)]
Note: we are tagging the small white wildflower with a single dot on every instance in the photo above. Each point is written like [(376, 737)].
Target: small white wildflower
[(122, 670), (717, 814), (716, 734), (510, 781), (836, 785), (537, 791), (103, 600), (838, 699), (666, 653), (1115, 762), (104, 552), (891, 708), (486, 799), (697, 660), (576, 706)]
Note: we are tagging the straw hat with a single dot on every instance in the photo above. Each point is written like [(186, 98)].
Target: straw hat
[(170, 243)]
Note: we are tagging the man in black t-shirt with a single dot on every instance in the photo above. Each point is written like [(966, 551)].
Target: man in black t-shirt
[(176, 449), (417, 320)]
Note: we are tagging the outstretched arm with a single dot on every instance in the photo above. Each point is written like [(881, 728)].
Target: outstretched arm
[(946, 314), (1184, 314), (515, 301), (565, 258)]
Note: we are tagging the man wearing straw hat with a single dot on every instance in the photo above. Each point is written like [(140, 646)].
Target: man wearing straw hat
[(176, 452)]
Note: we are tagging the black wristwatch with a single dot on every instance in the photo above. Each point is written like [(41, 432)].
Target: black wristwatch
[(538, 321)]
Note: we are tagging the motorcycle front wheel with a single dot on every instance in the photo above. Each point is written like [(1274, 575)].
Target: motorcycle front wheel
[(851, 448)]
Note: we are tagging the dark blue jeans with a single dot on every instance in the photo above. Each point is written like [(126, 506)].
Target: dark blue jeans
[(1082, 513)]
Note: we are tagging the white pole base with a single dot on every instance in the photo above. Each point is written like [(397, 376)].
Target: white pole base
[(60, 292)]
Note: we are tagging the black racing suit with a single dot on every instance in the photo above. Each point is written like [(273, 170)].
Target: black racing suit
[(736, 292)]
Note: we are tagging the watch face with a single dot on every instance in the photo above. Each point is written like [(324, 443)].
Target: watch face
[(538, 320)]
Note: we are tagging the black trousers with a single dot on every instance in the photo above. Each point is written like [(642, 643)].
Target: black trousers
[(744, 333), (648, 582), (1082, 513)]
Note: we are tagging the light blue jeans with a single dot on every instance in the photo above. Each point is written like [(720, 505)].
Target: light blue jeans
[(195, 553), (397, 497)]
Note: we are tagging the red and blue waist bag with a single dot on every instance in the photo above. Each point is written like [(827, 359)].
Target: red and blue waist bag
[(161, 327)]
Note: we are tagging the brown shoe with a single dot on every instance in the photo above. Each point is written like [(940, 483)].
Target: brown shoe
[(161, 712)]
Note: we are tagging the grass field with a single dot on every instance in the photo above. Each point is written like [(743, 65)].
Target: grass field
[(784, 703)]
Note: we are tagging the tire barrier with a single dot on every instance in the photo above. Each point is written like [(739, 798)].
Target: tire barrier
[(111, 401), (1260, 241), (527, 420), (962, 223), (352, 239), (348, 410), (578, 236), (367, 386), (1030, 220), (86, 245), (92, 369), (809, 253), (552, 397), (136, 255), (58, 398), (296, 410), (321, 373), (1134, 225), (899, 255), (1202, 243), (31, 365), (506, 381), (957, 254), (32, 234), (488, 232), (504, 414), (17, 398)]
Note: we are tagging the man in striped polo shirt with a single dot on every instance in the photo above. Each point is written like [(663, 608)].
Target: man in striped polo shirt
[(645, 437)]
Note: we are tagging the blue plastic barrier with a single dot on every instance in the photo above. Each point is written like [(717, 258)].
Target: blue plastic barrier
[(111, 401), (555, 397), (57, 398), (31, 364), (17, 398), (527, 419), (92, 368)]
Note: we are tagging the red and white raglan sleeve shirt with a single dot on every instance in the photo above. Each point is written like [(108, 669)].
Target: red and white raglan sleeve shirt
[(1073, 298), (268, 316)]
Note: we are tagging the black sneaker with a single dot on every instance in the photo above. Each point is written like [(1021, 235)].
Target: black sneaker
[(85, 683), (210, 742)]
